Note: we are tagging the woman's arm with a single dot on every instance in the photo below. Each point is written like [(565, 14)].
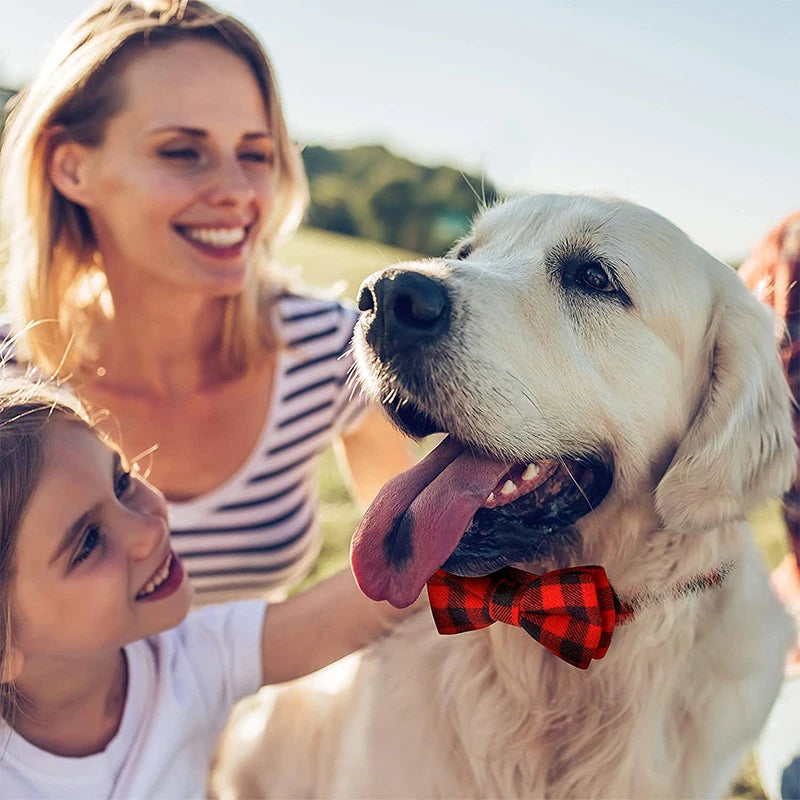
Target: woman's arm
[(372, 454), (320, 626)]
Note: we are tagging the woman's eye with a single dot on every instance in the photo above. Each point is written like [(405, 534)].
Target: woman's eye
[(596, 278), (91, 541), (261, 158), (122, 483), (184, 153)]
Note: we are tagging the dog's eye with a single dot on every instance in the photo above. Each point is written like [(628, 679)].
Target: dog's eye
[(593, 276), (464, 251)]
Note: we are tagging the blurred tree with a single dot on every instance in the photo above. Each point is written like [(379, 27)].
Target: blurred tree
[(368, 191)]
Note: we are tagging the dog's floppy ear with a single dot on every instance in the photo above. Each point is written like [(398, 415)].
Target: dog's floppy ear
[(740, 448)]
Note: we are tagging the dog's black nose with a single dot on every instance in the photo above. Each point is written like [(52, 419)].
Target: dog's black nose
[(409, 309)]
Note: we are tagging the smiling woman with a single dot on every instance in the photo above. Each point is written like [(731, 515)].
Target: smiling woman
[(142, 227)]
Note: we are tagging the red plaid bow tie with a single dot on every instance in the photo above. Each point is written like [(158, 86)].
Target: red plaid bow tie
[(572, 612)]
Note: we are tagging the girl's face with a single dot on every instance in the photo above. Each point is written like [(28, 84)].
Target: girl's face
[(184, 178), (93, 565)]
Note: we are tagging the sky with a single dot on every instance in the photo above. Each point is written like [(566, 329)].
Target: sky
[(691, 108)]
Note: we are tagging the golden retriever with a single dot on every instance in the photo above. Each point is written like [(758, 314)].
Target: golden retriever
[(593, 340)]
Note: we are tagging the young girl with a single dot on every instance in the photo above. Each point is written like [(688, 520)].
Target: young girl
[(111, 687), (147, 173)]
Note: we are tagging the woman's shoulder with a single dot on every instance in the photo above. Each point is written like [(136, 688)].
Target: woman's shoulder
[(294, 313)]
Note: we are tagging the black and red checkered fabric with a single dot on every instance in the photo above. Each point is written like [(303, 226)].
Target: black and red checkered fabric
[(572, 612)]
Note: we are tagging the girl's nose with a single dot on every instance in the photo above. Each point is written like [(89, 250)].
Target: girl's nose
[(147, 521)]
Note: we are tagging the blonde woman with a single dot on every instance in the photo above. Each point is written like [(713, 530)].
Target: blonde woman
[(147, 174)]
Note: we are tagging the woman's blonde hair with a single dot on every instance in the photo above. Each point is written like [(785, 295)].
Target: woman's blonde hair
[(25, 408), (53, 268)]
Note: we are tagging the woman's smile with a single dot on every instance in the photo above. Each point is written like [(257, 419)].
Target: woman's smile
[(222, 242)]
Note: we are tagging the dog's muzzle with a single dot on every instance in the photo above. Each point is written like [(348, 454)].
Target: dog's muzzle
[(403, 310)]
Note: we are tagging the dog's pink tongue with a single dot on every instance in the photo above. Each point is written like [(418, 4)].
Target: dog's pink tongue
[(417, 519)]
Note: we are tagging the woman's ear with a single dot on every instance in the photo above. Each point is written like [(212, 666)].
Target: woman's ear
[(12, 664), (67, 168)]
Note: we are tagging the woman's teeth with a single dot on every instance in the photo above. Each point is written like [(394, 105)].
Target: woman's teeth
[(157, 579), (216, 237)]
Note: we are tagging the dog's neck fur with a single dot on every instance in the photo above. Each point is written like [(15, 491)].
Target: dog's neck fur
[(542, 696), (627, 538)]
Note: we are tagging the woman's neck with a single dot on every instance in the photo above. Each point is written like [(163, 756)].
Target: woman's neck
[(163, 344), (72, 709)]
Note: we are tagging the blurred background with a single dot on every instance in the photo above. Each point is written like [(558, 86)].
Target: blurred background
[(690, 108), (411, 114)]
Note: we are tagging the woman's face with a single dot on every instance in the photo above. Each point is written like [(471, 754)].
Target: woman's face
[(184, 178)]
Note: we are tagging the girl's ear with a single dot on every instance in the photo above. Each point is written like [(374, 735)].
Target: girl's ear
[(66, 168), (12, 664)]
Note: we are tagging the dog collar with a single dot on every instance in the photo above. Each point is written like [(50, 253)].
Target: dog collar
[(572, 612)]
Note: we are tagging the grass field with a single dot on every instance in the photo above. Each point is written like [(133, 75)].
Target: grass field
[(327, 258)]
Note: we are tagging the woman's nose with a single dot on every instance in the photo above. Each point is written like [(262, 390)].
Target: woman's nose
[(232, 186)]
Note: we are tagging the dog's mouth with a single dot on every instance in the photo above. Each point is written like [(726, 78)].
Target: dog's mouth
[(467, 512)]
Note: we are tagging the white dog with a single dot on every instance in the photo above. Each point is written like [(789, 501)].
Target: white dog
[(594, 341)]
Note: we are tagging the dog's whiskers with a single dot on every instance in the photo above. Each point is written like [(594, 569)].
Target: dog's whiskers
[(579, 487)]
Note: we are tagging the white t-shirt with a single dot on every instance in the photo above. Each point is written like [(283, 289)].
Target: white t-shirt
[(182, 685)]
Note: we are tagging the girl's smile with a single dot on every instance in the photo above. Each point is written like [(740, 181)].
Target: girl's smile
[(107, 577), (167, 579)]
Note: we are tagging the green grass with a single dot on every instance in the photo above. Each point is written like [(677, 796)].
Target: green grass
[(327, 258)]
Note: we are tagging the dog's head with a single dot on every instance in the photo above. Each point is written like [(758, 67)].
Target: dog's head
[(568, 344)]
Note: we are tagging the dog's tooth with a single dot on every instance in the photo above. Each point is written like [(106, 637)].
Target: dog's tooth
[(531, 471), (508, 488), (490, 498)]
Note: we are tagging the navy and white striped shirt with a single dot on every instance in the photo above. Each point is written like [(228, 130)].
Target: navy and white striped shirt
[(258, 532)]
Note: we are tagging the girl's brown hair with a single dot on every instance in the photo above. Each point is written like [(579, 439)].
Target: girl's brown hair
[(53, 266), (25, 408)]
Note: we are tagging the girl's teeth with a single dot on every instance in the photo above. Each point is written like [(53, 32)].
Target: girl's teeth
[(157, 580), (217, 237)]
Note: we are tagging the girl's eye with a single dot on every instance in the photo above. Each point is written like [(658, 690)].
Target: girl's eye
[(122, 483), (91, 541), (594, 277), (184, 153)]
